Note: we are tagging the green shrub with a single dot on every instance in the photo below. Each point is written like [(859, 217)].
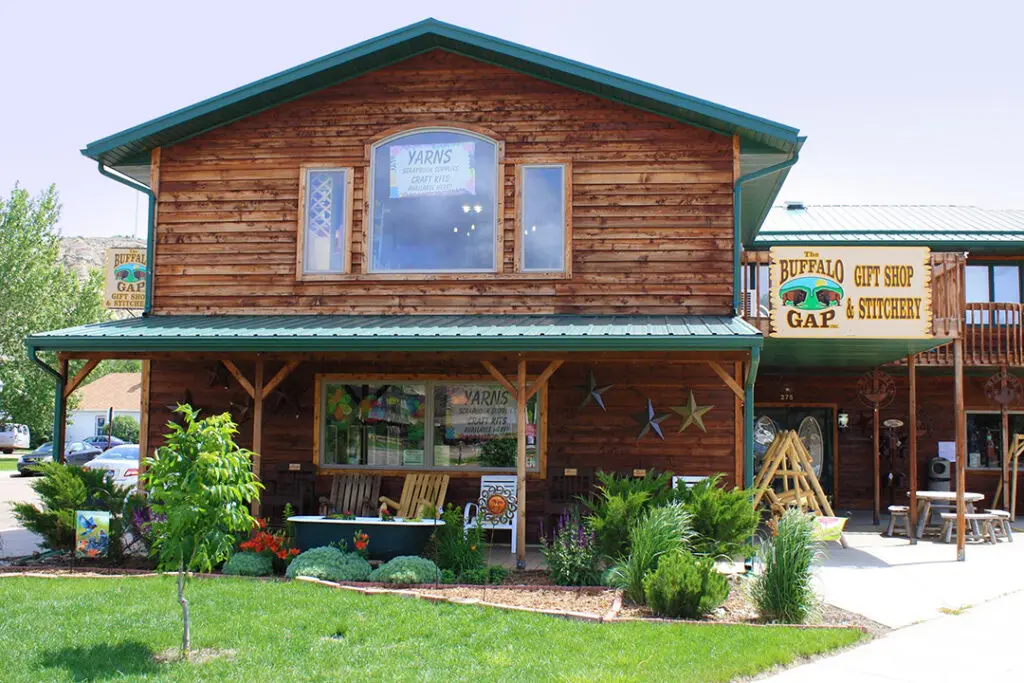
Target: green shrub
[(496, 574), (685, 586), (63, 490), (453, 548), (498, 453), (329, 564), (783, 591), (406, 569), (474, 577), (448, 576), (620, 501), (658, 532), (723, 521), (572, 554), (246, 563), (125, 427)]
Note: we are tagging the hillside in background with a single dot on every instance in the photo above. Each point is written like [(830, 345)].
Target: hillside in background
[(83, 253)]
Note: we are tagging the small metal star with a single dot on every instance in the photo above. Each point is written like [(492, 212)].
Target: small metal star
[(593, 391), (651, 421), (692, 414)]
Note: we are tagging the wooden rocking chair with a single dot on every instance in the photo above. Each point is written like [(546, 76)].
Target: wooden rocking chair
[(419, 490), (355, 493)]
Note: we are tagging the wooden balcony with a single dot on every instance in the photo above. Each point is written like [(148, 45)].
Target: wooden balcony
[(947, 287), (993, 334)]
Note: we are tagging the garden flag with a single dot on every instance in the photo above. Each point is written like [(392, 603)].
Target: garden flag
[(92, 533)]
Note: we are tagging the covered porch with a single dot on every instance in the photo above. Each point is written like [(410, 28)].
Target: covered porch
[(571, 393)]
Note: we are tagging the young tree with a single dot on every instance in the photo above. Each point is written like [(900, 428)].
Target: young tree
[(125, 427), (200, 484), (37, 293)]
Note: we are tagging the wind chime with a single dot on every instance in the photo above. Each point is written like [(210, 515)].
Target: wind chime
[(876, 390), (1002, 388)]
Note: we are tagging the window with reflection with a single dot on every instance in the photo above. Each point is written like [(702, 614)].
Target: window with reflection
[(433, 203), (325, 217), (542, 218)]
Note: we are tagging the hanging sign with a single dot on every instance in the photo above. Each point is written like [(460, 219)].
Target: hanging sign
[(125, 279), (92, 533), (479, 411), (442, 168), (866, 292)]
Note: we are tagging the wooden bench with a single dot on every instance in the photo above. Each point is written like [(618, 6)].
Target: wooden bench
[(979, 525), (1002, 523), (901, 512)]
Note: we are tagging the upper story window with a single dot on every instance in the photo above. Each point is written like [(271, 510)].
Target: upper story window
[(998, 283), (543, 218), (434, 203), (325, 210)]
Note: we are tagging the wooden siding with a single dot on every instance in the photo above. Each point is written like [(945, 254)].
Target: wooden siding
[(854, 454), (575, 437), (651, 201)]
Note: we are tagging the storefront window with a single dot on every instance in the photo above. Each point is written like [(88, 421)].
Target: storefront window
[(985, 439), (376, 424), (434, 203)]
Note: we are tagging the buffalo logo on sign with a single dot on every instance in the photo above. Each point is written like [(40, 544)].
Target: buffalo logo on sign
[(851, 292), (125, 279)]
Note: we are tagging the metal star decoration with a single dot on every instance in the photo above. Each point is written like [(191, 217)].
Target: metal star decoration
[(593, 391), (651, 421), (692, 414)]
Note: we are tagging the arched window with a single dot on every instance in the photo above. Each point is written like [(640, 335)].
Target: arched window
[(434, 202)]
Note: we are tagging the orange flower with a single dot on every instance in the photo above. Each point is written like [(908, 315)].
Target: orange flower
[(361, 545), (293, 551)]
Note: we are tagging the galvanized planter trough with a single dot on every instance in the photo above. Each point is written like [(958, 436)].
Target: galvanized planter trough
[(387, 539)]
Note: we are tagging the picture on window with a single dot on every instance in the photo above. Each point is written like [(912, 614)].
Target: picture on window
[(433, 203), (378, 424)]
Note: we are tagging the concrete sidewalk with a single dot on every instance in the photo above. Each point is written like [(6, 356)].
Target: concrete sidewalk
[(978, 644)]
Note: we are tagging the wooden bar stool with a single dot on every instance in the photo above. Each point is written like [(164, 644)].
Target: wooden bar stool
[(1002, 523), (901, 512)]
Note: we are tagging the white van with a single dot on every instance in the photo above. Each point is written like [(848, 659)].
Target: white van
[(13, 436)]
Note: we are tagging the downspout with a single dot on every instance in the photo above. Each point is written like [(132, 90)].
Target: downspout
[(737, 195), (150, 237), (748, 418), (58, 395)]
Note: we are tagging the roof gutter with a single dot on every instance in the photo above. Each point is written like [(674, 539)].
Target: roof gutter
[(150, 227), (748, 418), (737, 196), (58, 396)]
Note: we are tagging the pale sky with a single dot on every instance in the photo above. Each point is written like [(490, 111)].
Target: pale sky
[(902, 101)]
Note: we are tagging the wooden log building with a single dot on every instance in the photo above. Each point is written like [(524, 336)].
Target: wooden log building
[(438, 250)]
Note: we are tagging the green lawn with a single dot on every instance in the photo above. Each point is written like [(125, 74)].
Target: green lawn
[(8, 464), (102, 629)]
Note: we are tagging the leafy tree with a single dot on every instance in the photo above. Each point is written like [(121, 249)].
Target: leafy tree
[(125, 427), (200, 484), (38, 293)]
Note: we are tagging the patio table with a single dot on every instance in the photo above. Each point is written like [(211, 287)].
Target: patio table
[(925, 500)]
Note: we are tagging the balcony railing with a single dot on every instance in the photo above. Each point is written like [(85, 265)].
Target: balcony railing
[(947, 289), (993, 334)]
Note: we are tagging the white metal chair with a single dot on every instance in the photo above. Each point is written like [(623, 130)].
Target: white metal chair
[(497, 507)]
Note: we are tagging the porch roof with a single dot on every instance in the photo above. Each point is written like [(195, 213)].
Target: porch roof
[(404, 333)]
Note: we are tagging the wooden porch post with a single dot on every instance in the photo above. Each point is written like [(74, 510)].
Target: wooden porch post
[(1004, 428), (875, 460), (912, 445), (521, 464), (257, 428), (144, 423), (961, 446), (60, 416)]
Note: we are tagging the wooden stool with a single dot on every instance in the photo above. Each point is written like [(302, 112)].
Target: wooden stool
[(979, 525), (899, 512), (1002, 523)]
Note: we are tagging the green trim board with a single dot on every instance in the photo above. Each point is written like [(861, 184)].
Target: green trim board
[(862, 353), (284, 333)]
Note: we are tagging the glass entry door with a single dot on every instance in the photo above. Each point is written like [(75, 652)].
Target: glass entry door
[(813, 426)]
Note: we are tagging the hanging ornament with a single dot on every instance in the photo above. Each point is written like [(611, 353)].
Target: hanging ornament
[(692, 414), (651, 421), (1002, 388), (593, 392), (876, 389)]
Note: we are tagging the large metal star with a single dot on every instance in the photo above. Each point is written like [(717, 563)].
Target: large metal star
[(593, 391), (692, 414), (651, 421)]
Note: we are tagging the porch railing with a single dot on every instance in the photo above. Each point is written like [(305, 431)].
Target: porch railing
[(993, 334)]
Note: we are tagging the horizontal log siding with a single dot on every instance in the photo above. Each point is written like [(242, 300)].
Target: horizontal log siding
[(935, 411), (576, 437), (652, 201)]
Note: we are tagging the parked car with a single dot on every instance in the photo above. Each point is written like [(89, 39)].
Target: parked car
[(13, 436), (103, 442), (37, 457), (78, 453), (121, 464)]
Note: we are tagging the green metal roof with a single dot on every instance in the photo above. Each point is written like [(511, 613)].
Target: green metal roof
[(763, 142), (405, 333), (948, 228)]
